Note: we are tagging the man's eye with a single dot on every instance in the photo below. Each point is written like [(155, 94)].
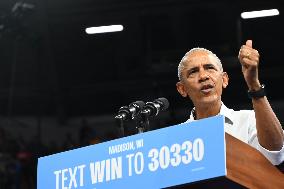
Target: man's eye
[(211, 67), (192, 72)]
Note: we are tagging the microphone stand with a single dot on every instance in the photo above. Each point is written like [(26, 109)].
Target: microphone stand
[(120, 123), (143, 122)]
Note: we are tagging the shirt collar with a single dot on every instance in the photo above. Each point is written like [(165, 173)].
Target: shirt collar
[(226, 112)]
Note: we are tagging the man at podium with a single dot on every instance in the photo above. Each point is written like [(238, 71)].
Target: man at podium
[(202, 79)]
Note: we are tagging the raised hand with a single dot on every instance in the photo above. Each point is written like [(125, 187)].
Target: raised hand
[(249, 59)]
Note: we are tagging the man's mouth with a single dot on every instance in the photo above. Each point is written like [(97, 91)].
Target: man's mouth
[(207, 88)]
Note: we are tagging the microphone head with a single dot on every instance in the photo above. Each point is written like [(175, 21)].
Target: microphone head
[(163, 102), (138, 104), (124, 113)]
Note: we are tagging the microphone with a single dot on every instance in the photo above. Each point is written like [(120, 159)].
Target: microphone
[(126, 113), (153, 108)]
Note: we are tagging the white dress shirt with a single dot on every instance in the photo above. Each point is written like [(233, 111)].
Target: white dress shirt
[(242, 125)]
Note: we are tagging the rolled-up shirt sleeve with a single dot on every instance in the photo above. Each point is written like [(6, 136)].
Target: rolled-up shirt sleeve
[(275, 157)]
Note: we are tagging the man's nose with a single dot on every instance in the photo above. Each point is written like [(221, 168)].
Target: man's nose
[(203, 75)]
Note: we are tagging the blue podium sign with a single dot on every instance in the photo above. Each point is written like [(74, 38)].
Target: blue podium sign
[(161, 158)]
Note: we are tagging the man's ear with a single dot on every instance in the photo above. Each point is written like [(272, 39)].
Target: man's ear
[(225, 78), (181, 89)]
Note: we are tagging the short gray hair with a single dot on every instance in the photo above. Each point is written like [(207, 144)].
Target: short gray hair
[(181, 63)]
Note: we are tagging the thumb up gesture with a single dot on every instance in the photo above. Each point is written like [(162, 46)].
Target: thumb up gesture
[(249, 59)]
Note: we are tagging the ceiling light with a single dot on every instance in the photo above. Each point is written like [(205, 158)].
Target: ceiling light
[(104, 29), (261, 13)]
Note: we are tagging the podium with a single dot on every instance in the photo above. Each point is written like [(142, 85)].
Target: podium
[(189, 155), (249, 170)]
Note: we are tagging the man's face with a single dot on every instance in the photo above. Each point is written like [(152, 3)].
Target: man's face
[(202, 79)]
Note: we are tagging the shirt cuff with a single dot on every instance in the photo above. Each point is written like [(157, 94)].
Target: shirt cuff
[(275, 157)]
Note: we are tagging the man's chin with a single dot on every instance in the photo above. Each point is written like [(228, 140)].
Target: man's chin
[(208, 100)]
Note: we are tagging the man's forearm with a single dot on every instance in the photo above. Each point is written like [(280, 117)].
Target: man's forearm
[(269, 129)]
